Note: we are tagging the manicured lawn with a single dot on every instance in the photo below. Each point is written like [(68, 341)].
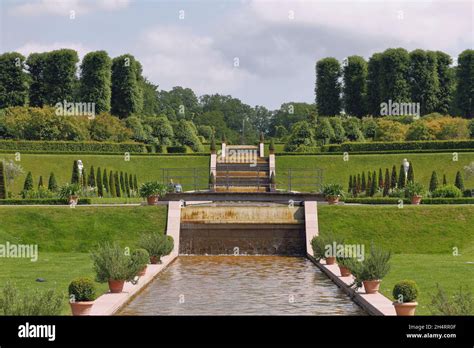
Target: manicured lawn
[(116, 200), (64, 229), (57, 269), (336, 170), (145, 167), (422, 239)]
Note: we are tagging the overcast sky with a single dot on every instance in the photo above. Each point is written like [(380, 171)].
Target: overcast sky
[(275, 43)]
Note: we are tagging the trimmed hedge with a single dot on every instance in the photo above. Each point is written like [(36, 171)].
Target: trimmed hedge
[(388, 152), (399, 146), (45, 201), (178, 149), (394, 200), (71, 146)]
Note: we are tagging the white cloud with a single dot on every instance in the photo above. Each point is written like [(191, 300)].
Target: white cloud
[(64, 7), (175, 56), (34, 47)]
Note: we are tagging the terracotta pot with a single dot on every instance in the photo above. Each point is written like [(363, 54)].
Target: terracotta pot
[(116, 286), (331, 260), (81, 307), (332, 199), (154, 260), (345, 272), (371, 286), (142, 272), (405, 309), (152, 200), (416, 200), (73, 199)]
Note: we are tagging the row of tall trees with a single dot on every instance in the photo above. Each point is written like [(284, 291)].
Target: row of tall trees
[(426, 77), (114, 85)]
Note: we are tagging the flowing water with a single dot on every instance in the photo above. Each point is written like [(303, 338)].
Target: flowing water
[(242, 285)]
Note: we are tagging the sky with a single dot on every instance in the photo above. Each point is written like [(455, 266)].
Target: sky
[(262, 52)]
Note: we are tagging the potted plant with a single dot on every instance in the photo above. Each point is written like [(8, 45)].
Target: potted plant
[(414, 190), (70, 192), (152, 191), (82, 294), (141, 257), (345, 264), (333, 192), (371, 270), (405, 293), (114, 266), (157, 245), (323, 247)]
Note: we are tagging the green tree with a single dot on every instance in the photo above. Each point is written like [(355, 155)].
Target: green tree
[(374, 84), (161, 129), (127, 96), (52, 184), (423, 77), (130, 182), (465, 83), (135, 182), (339, 131), (373, 187), (75, 177), (96, 80), (36, 63), (349, 189), (151, 104), (328, 87), (355, 86), (324, 131), (40, 182), (369, 183), (178, 103), (186, 134), (290, 113), (301, 135), (446, 79), (434, 181), (117, 184), (401, 178), (13, 80), (395, 85), (459, 182), (59, 76), (380, 182), (127, 188), (28, 185), (352, 128), (84, 177), (92, 182), (393, 178), (363, 186), (122, 182), (112, 185), (386, 183), (100, 185), (3, 182), (445, 182), (105, 181)]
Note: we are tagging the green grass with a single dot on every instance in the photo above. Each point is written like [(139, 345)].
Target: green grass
[(116, 200), (145, 167), (65, 229), (57, 269), (422, 239), (336, 170)]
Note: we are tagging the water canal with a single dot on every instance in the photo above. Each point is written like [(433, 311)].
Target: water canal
[(241, 285)]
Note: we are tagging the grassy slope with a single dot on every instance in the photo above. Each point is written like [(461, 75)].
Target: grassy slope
[(145, 167), (336, 170), (65, 236), (422, 238)]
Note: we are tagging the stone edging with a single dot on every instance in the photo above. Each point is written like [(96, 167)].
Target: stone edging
[(373, 304)]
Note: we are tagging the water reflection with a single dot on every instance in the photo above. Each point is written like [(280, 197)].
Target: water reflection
[(242, 285)]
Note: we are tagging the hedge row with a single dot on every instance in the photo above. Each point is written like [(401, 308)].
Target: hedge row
[(399, 146), (71, 146), (43, 201), (394, 201), (369, 152)]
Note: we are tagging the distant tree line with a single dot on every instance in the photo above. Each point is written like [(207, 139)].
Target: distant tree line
[(425, 77)]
